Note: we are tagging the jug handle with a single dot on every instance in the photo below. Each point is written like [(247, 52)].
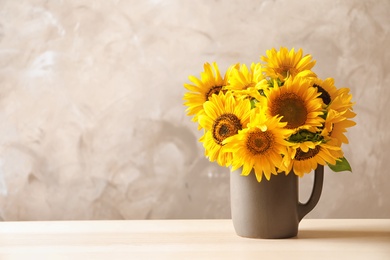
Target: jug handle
[(304, 208)]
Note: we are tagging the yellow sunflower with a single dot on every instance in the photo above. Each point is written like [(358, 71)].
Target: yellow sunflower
[(339, 130), (296, 102), (283, 63), (342, 103), (303, 159), (260, 146), (223, 117), (243, 82), (326, 88), (210, 82), (336, 99), (339, 116), (335, 127)]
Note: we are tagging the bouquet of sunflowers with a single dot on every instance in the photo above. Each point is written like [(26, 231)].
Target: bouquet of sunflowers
[(272, 117)]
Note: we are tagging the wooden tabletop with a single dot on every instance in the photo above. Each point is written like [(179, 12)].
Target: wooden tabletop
[(191, 239)]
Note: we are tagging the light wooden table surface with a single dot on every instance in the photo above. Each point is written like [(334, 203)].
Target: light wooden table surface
[(190, 239)]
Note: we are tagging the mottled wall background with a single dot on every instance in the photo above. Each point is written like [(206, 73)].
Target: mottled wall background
[(92, 124)]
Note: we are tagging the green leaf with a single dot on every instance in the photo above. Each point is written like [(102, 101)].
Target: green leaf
[(305, 135), (341, 165)]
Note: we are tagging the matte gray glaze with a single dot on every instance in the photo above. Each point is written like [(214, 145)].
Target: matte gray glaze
[(270, 209)]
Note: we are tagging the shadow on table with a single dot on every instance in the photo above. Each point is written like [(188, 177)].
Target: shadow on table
[(323, 234)]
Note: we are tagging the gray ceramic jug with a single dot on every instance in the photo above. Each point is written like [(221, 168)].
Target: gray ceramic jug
[(270, 209)]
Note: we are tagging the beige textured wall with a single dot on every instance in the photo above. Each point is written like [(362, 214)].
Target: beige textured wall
[(92, 124)]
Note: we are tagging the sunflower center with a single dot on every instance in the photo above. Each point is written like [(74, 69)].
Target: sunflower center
[(324, 94), (213, 90), (302, 156), (224, 126), (259, 142), (292, 109), (286, 71)]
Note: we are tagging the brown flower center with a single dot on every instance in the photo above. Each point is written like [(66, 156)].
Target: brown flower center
[(213, 90), (259, 142), (224, 126), (324, 94), (286, 70), (302, 156), (292, 108)]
